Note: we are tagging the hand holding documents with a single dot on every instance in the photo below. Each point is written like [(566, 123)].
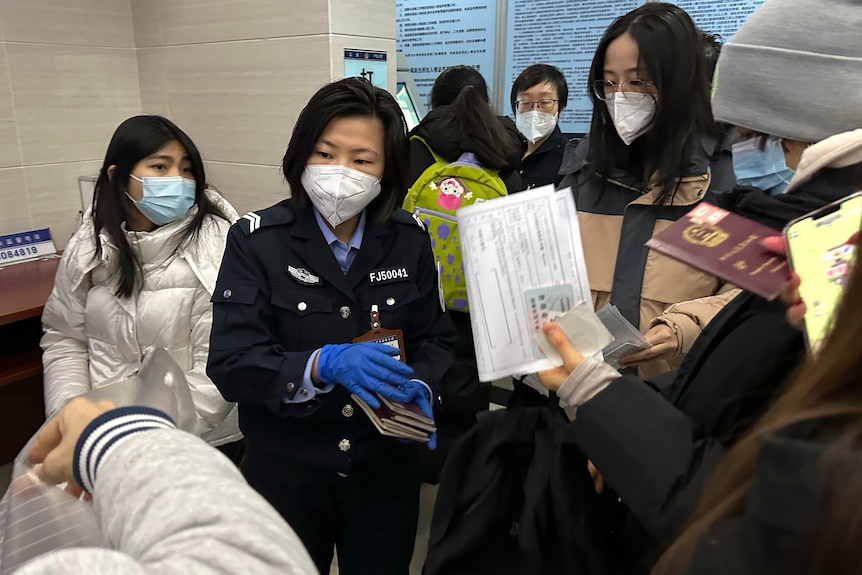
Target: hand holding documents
[(727, 246), (402, 420), (524, 265), (627, 339), (585, 331)]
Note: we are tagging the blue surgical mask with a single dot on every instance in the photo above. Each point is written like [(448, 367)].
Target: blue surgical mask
[(165, 199), (763, 169)]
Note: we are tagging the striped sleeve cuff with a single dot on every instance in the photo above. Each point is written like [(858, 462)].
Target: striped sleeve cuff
[(106, 432)]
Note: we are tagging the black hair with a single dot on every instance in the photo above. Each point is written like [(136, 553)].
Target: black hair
[(539, 74), (464, 93), (712, 44), (134, 140), (351, 98), (671, 49)]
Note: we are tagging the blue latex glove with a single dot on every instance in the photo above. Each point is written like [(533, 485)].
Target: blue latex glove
[(418, 395), (365, 369)]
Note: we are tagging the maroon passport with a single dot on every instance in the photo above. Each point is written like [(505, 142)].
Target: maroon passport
[(727, 246), (398, 419)]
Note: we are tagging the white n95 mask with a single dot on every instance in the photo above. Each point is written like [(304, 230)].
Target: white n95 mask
[(631, 117), (535, 125), (338, 192)]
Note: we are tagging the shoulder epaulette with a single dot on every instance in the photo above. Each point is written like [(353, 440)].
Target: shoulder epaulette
[(276, 215), (405, 217)]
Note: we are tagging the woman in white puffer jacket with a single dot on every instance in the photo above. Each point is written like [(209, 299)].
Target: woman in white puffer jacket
[(139, 274)]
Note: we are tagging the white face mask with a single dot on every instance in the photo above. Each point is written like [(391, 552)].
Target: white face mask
[(535, 125), (338, 192), (631, 117)]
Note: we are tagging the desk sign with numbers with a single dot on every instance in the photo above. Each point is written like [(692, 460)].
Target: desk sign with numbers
[(25, 246)]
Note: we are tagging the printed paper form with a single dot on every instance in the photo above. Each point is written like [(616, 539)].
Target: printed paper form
[(524, 265)]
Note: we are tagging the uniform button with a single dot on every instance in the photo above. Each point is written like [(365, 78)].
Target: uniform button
[(303, 392), (227, 293), (302, 306), (345, 312), (290, 387), (344, 445), (341, 474), (390, 301), (347, 410)]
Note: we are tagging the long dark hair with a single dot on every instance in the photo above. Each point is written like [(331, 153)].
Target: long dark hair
[(464, 93), (671, 49), (827, 391), (135, 139), (350, 98)]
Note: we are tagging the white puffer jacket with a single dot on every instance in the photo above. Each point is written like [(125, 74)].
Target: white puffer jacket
[(94, 338)]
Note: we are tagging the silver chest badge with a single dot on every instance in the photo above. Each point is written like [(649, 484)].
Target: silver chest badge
[(303, 276)]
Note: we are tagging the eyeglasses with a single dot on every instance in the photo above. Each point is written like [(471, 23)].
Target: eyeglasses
[(541, 105), (631, 89)]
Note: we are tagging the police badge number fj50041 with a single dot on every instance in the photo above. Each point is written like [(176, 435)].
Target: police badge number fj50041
[(391, 337)]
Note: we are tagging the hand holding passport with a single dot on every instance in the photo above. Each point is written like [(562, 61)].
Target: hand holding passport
[(727, 246), (393, 418)]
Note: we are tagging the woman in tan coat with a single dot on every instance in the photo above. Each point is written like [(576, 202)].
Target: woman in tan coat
[(648, 160)]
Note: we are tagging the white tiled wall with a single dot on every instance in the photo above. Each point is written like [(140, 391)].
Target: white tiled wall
[(68, 76), (68, 99), (234, 74), (176, 22), (76, 23)]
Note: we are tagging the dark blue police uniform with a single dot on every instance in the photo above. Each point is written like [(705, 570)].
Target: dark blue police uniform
[(280, 296)]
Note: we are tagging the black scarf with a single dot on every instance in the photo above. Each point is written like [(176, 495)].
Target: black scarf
[(828, 185)]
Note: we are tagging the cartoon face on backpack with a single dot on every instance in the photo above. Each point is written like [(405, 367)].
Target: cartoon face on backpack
[(434, 197), (450, 193)]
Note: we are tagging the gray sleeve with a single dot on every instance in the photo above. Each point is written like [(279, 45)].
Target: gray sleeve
[(170, 504), (584, 383), (91, 561)]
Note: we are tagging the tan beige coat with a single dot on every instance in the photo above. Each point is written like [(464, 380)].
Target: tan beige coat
[(616, 218)]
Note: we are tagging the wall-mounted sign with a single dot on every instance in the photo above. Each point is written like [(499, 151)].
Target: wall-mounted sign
[(564, 34), (368, 64), (724, 20), (433, 36), (436, 35)]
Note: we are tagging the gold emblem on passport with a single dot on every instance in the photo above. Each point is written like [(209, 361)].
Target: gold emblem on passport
[(704, 235)]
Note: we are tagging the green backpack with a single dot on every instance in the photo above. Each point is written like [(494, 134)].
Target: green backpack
[(441, 189)]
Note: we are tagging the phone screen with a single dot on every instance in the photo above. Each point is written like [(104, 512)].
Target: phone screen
[(820, 254)]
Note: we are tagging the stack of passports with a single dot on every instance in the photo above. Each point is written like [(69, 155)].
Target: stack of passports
[(403, 420)]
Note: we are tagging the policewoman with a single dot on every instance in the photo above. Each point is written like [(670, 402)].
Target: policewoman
[(296, 287)]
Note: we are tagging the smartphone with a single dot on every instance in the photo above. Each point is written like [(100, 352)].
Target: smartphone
[(819, 253)]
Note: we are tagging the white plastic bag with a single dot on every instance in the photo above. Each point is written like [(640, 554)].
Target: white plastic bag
[(36, 518)]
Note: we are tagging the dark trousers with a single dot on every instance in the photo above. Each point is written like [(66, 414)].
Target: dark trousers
[(370, 522)]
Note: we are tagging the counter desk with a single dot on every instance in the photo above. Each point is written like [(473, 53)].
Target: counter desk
[(24, 289)]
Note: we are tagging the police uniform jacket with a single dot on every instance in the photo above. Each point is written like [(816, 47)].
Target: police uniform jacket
[(281, 295)]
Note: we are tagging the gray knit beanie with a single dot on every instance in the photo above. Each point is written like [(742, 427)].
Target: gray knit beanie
[(794, 70)]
